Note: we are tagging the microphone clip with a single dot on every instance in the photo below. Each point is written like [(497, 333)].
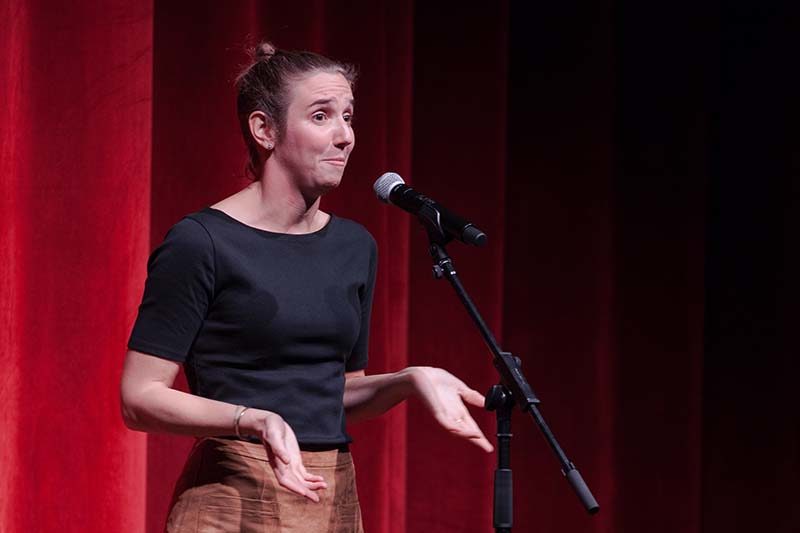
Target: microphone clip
[(431, 219)]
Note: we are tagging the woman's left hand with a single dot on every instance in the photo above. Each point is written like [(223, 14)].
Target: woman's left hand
[(445, 395)]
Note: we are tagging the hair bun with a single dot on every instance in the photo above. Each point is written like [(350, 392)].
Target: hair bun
[(264, 51)]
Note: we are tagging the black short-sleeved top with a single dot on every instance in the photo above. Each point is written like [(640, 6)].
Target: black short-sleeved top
[(263, 319)]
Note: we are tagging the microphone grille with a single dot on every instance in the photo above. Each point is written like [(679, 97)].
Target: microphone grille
[(384, 185)]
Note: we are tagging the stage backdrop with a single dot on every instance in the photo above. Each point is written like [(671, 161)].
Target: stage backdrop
[(595, 145)]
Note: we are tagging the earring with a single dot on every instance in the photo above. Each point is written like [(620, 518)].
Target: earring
[(269, 146)]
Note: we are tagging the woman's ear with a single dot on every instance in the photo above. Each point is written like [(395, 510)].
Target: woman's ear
[(261, 129)]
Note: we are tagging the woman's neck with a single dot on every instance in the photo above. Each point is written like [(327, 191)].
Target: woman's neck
[(276, 205)]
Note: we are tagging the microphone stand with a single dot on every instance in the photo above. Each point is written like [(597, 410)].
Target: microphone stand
[(512, 389)]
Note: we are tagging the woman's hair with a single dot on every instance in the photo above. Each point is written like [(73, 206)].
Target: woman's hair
[(265, 86)]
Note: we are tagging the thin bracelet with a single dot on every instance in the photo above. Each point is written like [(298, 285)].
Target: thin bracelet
[(236, 418)]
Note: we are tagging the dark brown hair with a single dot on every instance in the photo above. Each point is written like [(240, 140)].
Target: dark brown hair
[(264, 86)]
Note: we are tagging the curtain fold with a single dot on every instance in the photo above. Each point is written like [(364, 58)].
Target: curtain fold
[(459, 160), (75, 176)]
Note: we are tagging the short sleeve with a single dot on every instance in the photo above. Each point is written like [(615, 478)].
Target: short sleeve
[(177, 293), (359, 356)]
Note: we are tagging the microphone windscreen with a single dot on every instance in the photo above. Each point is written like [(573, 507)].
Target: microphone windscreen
[(383, 186)]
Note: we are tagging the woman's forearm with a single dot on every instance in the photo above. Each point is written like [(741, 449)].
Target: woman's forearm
[(161, 408), (442, 393), (165, 410), (149, 403), (370, 396)]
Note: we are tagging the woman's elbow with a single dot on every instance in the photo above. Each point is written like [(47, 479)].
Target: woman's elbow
[(130, 408), (143, 378)]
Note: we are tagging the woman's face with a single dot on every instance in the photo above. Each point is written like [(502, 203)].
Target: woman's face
[(319, 134)]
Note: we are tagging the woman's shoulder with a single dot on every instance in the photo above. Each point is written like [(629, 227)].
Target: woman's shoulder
[(354, 230), (190, 234), (187, 247), (191, 226)]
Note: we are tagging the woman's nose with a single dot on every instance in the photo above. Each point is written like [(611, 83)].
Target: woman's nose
[(343, 135)]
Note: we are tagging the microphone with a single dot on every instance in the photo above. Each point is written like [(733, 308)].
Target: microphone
[(391, 189)]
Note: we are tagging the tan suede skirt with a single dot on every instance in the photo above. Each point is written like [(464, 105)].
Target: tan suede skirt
[(228, 486)]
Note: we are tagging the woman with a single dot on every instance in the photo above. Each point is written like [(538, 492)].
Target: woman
[(265, 299)]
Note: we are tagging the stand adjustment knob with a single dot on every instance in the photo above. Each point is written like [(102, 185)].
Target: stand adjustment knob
[(497, 398)]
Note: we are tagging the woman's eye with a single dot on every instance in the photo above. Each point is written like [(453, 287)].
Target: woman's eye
[(348, 118), (319, 117)]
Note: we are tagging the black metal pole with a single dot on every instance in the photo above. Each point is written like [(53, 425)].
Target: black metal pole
[(511, 377), (500, 401)]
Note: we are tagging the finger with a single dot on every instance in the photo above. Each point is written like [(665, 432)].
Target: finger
[(312, 481), (477, 437), (467, 428), (292, 483), (316, 485), (311, 495), (309, 480), (313, 477), (484, 443), (473, 397), (308, 476), (276, 451)]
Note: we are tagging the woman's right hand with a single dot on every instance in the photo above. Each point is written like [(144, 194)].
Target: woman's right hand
[(283, 452), (149, 403)]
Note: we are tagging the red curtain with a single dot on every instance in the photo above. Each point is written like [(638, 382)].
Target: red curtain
[(74, 209), (581, 142)]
